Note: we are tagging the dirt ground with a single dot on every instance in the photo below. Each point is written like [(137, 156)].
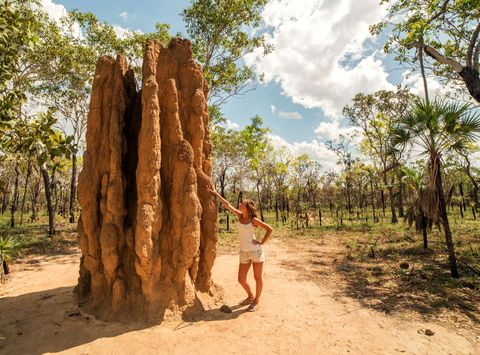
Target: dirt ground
[(298, 314)]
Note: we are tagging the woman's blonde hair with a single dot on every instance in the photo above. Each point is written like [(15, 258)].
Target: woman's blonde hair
[(252, 209)]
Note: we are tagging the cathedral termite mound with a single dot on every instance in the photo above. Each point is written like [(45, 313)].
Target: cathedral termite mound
[(148, 227)]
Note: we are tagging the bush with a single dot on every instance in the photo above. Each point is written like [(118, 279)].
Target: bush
[(9, 247)]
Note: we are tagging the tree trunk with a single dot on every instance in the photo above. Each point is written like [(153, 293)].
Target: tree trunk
[(239, 199), (276, 208), (460, 186), (424, 232), (401, 213), (15, 197), (383, 201), (373, 201), (48, 195), (148, 226), (27, 178), (443, 214), (5, 199), (473, 181), (259, 200), (35, 192), (73, 190), (390, 196)]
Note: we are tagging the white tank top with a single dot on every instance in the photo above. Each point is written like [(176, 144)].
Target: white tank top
[(246, 232)]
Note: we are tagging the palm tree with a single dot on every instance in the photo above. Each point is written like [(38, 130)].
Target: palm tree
[(419, 209), (437, 128)]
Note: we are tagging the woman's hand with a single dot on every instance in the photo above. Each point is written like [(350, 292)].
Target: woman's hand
[(257, 242), (212, 190)]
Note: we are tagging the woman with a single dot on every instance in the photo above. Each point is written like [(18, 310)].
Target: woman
[(250, 248)]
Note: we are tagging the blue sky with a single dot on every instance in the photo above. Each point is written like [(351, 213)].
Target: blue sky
[(323, 56)]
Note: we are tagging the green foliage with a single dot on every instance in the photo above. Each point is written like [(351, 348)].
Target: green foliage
[(221, 34), (101, 38), (255, 141), (446, 25), (438, 127), (38, 138), (9, 247), (16, 33), (376, 114)]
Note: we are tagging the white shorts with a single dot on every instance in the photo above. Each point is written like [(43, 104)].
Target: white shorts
[(254, 256)]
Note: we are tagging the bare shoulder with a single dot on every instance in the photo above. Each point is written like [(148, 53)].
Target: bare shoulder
[(258, 223)]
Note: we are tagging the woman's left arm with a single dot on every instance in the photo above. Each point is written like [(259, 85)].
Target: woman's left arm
[(258, 223)]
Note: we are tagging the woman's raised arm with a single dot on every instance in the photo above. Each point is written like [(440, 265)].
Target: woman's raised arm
[(227, 204)]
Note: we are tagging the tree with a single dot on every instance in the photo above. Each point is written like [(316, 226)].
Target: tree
[(227, 157), (438, 128), (376, 114), (16, 34), (342, 147), (419, 210), (42, 141), (255, 144), (222, 34), (446, 30)]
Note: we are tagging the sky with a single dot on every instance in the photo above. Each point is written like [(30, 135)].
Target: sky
[(324, 55)]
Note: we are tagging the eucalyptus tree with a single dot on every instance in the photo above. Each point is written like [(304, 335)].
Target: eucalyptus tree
[(227, 156), (46, 144), (447, 31), (17, 34), (375, 115), (438, 128), (343, 148), (299, 175), (255, 144), (279, 169), (222, 33)]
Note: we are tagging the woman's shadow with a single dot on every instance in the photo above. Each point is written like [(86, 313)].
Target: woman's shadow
[(215, 314)]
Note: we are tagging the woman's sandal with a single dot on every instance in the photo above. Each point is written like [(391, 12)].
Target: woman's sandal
[(246, 301), (253, 307)]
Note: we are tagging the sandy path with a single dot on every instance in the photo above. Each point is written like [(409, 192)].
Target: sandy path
[(295, 317)]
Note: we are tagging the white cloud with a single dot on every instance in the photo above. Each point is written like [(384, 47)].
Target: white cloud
[(231, 125), (290, 115), (125, 16), (316, 150), (56, 12), (332, 130), (435, 88), (323, 54), (120, 31), (274, 109)]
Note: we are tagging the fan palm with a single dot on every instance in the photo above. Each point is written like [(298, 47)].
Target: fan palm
[(436, 128), (418, 209), (9, 246)]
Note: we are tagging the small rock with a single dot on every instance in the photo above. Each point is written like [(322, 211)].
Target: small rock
[(74, 314), (19, 332), (468, 284), (404, 265), (429, 332), (225, 309)]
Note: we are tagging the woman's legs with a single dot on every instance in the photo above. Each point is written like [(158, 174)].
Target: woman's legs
[(242, 278), (257, 273)]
